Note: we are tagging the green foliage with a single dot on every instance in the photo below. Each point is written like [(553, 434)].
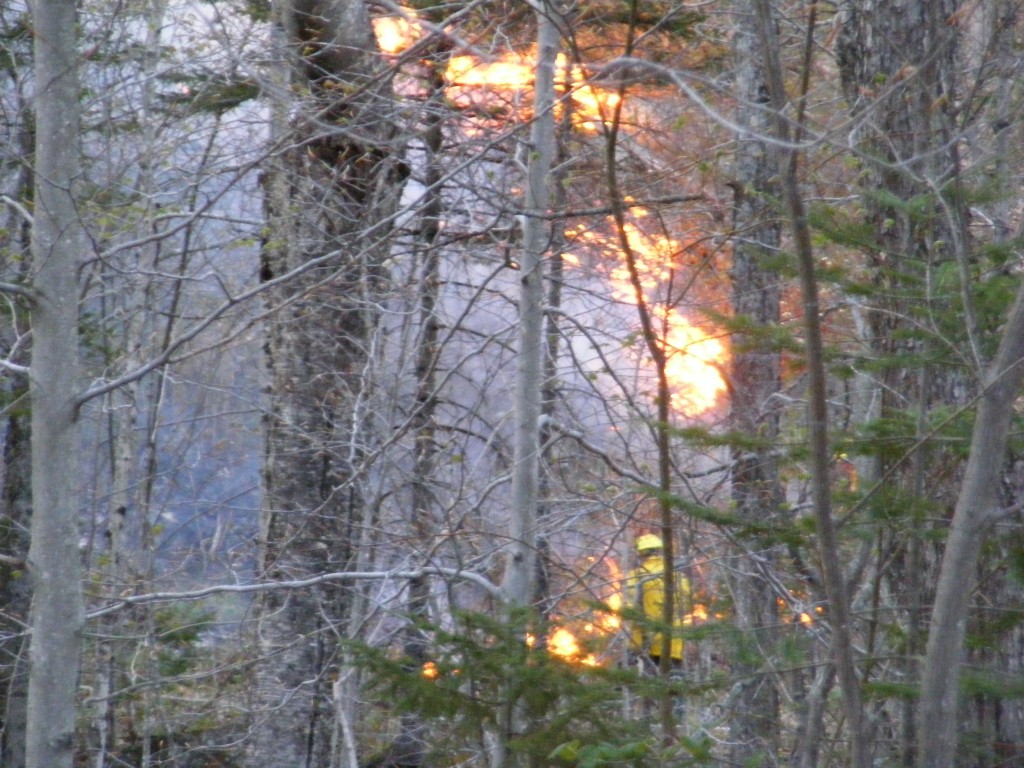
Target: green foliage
[(481, 665), (178, 631), (749, 336), (839, 226), (991, 685), (989, 629)]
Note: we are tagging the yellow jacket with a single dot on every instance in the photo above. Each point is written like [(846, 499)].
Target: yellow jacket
[(645, 587)]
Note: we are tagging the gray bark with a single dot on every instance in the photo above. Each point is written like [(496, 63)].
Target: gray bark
[(817, 408), (977, 508), (57, 247), (519, 583), (754, 378), (329, 196)]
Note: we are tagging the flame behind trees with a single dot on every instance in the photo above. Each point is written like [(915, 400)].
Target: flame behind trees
[(694, 353)]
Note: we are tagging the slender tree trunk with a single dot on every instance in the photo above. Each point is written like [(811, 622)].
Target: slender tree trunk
[(977, 508), (656, 348), (409, 747), (519, 585), (754, 379), (817, 415), (57, 248), (520, 571)]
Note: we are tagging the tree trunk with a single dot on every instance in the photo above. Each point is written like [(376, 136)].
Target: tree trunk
[(57, 247), (817, 407), (977, 508), (754, 379), (520, 570), (329, 196), (519, 585)]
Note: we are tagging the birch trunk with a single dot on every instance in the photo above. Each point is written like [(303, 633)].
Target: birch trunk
[(519, 584)]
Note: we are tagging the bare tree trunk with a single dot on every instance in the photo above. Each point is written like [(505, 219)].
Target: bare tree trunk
[(754, 378), (330, 194), (520, 571), (519, 585), (817, 416), (977, 508), (57, 247)]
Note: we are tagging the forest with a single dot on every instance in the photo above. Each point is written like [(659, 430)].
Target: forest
[(364, 364)]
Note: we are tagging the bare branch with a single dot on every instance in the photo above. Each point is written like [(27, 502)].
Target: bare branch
[(218, 589)]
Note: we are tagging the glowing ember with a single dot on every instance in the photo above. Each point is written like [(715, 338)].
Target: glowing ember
[(430, 671)]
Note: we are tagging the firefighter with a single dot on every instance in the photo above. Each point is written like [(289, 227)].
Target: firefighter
[(645, 586)]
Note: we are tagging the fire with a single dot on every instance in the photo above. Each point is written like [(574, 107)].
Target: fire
[(510, 71), (693, 356), (396, 33), (697, 615), (430, 671), (564, 644), (692, 365)]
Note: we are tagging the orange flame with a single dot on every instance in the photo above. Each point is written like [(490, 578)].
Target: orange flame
[(564, 644), (692, 354), (698, 614), (396, 33)]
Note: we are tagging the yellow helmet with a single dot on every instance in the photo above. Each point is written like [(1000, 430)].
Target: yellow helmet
[(649, 541)]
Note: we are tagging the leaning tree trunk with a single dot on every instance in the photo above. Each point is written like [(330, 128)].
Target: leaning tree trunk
[(977, 508), (754, 378), (58, 244), (330, 191)]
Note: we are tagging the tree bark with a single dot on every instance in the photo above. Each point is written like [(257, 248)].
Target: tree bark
[(329, 198), (519, 584), (817, 407), (58, 245), (977, 508), (754, 378)]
